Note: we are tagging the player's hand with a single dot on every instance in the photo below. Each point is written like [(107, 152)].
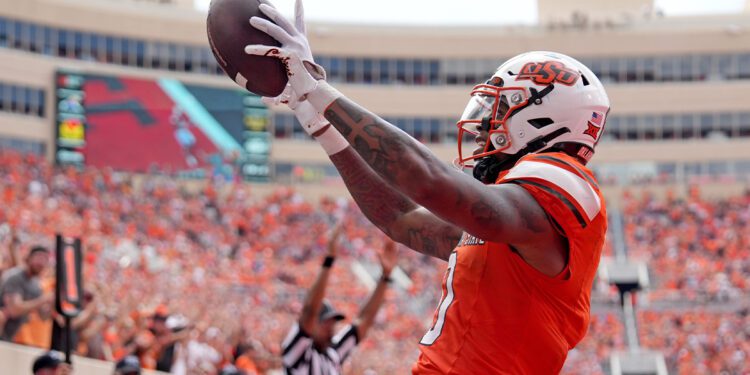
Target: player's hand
[(333, 240), (294, 52), (388, 257), (311, 120)]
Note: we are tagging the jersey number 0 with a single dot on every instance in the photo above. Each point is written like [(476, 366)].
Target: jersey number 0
[(445, 302)]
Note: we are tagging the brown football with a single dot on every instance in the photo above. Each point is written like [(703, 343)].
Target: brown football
[(229, 31)]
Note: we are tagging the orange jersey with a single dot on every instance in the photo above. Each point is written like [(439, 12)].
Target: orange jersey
[(498, 314)]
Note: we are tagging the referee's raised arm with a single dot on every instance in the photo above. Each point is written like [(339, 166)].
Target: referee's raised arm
[(311, 347), (307, 349), (314, 300), (388, 259)]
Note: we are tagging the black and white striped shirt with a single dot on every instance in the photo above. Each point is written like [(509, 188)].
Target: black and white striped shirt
[(300, 356)]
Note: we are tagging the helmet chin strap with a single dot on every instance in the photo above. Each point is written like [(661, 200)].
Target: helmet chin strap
[(488, 168)]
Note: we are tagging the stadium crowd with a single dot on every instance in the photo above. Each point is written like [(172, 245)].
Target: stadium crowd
[(223, 274), (699, 341), (699, 248), (193, 276), (699, 253)]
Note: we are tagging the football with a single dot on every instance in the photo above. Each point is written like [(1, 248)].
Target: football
[(229, 31)]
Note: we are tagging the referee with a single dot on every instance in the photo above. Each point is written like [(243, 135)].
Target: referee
[(310, 347)]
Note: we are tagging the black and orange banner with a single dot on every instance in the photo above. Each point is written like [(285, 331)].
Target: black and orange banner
[(68, 276)]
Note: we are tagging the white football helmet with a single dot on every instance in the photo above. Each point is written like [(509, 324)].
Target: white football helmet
[(533, 102)]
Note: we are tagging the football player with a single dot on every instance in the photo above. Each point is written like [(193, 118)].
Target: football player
[(522, 238)]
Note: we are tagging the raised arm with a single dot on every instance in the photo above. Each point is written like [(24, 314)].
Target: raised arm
[(496, 213), (11, 258), (505, 213), (15, 257), (397, 216), (314, 299), (370, 309)]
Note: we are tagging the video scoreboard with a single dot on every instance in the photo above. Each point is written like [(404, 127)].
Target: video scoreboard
[(70, 119), (128, 124), (256, 140)]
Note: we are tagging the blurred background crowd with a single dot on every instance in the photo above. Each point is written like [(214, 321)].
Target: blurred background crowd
[(204, 276)]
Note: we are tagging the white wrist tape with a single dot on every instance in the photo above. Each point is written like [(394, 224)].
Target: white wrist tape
[(310, 120), (332, 141), (323, 95)]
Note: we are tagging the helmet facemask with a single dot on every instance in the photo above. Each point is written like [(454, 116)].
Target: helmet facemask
[(487, 114)]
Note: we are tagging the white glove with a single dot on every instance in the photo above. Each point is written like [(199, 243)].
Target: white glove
[(312, 121), (294, 52)]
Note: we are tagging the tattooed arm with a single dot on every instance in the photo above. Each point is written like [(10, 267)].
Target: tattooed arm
[(505, 213), (393, 213)]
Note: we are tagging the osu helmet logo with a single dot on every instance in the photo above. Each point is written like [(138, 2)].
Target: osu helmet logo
[(547, 72)]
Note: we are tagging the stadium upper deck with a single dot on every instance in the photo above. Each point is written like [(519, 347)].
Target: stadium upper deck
[(669, 79)]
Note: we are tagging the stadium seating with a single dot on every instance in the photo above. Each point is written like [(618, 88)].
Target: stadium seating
[(156, 245), (709, 341), (697, 248)]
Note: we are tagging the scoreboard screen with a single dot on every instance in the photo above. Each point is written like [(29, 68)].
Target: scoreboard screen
[(256, 140), (161, 125), (70, 118)]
